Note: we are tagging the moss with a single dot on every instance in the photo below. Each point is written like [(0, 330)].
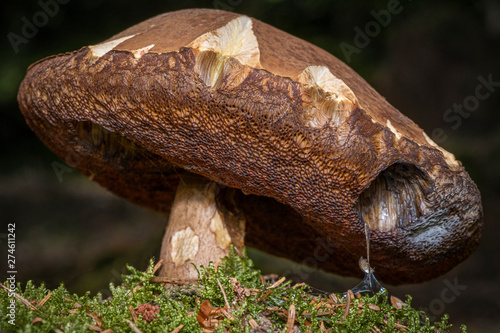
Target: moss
[(250, 301)]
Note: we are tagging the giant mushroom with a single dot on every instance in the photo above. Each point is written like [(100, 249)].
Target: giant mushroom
[(245, 134)]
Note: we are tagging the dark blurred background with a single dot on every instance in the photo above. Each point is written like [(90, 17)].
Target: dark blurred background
[(424, 59)]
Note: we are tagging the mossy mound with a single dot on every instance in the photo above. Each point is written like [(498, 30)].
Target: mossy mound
[(231, 298)]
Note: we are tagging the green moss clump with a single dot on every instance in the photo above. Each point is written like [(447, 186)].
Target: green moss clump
[(243, 302)]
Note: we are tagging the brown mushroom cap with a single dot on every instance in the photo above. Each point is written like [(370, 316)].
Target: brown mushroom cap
[(316, 150)]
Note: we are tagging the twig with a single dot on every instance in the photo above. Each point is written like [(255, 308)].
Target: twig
[(348, 304), (21, 298), (333, 298), (164, 279), (45, 299), (178, 329), (291, 318), (265, 295), (132, 313), (133, 327), (224, 294), (95, 317), (157, 266), (253, 323), (322, 327), (397, 303), (277, 283)]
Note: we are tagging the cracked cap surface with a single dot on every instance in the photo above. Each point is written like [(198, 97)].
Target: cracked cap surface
[(317, 151)]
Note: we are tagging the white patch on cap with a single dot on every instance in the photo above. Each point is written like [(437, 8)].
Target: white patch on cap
[(449, 157), (235, 40), (185, 244), (321, 77), (142, 51), (327, 98), (393, 129), (101, 49)]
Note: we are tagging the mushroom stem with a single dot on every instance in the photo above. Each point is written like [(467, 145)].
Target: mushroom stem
[(199, 230)]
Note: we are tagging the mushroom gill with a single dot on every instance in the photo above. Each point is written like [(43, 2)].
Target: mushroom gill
[(111, 145), (395, 198)]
